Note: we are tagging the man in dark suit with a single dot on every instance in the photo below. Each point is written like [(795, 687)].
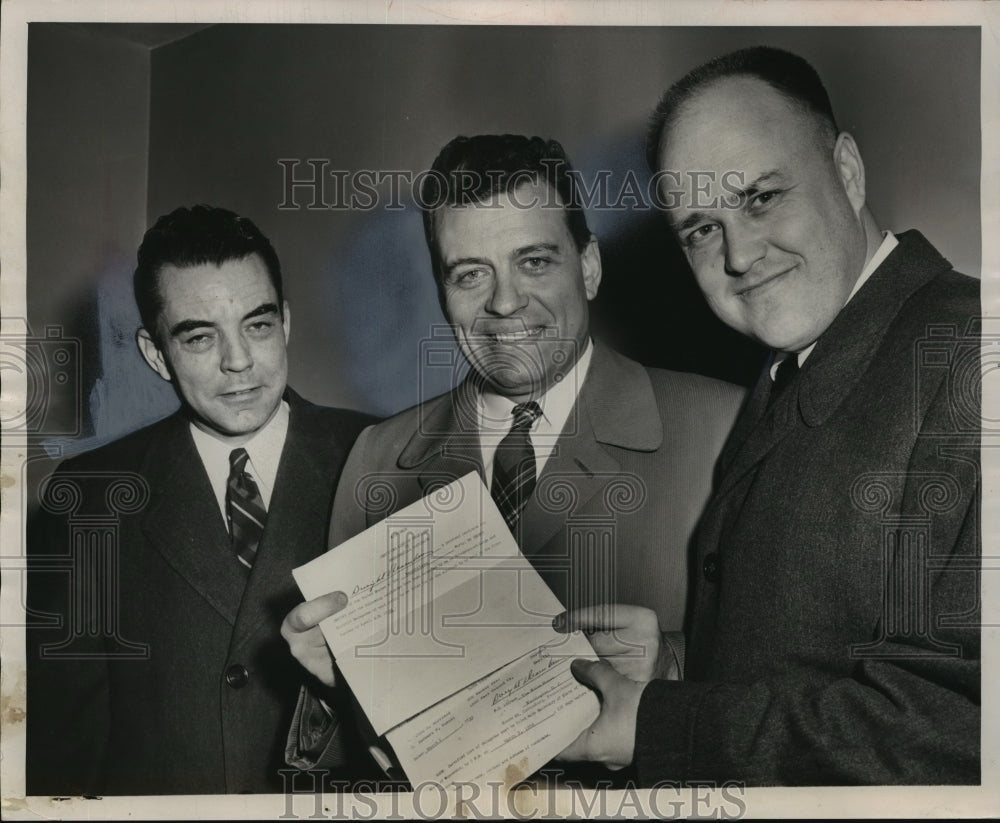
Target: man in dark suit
[(617, 459), (834, 633), (161, 669)]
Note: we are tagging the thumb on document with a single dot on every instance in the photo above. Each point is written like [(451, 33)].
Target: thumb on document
[(313, 612), (611, 738), (301, 631)]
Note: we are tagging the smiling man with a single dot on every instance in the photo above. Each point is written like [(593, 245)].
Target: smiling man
[(177, 681), (579, 446), (834, 634)]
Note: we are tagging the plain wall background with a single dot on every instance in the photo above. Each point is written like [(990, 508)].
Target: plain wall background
[(120, 133)]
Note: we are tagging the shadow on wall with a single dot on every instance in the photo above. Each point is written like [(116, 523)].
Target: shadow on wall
[(650, 308), (123, 393)]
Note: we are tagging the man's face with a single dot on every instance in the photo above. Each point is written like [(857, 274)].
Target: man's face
[(516, 288), (779, 260), (222, 343)]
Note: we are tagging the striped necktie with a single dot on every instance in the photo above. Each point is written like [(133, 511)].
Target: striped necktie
[(514, 464), (244, 508)]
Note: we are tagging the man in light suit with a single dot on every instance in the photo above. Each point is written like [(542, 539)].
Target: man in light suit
[(157, 665), (834, 636), (618, 457)]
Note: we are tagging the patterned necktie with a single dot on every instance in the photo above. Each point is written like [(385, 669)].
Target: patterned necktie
[(244, 508), (785, 374), (514, 464)]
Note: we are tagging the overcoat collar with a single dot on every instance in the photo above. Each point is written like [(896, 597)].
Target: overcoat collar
[(841, 357)]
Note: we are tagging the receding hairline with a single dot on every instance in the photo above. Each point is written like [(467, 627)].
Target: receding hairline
[(823, 130), (157, 275)]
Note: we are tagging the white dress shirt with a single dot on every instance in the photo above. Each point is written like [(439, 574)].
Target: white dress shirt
[(495, 415), (263, 451)]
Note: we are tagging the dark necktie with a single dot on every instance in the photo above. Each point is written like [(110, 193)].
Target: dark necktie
[(244, 508), (514, 464), (786, 373)]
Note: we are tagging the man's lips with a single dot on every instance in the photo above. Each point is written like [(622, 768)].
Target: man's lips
[(509, 335), (748, 289), (240, 394)]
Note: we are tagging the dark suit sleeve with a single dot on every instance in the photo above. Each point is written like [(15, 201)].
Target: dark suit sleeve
[(911, 716), (68, 696)]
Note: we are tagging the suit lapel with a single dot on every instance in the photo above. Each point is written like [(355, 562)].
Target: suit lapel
[(575, 472), (300, 491), (184, 523), (446, 443), (581, 467)]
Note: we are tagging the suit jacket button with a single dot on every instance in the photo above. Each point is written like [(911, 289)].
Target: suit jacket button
[(237, 676), (711, 567)]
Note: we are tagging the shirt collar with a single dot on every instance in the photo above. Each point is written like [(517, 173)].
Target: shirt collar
[(556, 403), (263, 450)]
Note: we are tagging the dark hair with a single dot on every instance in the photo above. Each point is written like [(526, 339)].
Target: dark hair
[(192, 237), (786, 73), (475, 169)]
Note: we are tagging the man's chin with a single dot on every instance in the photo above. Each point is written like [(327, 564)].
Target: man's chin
[(234, 426)]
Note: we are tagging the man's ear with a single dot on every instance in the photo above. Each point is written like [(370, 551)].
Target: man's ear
[(151, 353), (590, 257), (851, 169), (286, 320)]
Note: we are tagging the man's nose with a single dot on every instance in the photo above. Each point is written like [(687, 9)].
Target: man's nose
[(236, 355), (507, 296), (744, 247)]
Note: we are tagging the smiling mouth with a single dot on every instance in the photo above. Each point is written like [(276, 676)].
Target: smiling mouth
[(514, 336), (760, 284)]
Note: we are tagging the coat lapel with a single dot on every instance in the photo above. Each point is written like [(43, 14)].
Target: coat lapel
[(841, 357), (300, 491), (446, 443), (184, 523), (581, 467)]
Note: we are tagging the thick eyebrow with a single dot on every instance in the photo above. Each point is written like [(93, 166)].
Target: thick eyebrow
[(743, 194), (451, 265), (185, 326), (552, 248), (755, 185), (536, 247)]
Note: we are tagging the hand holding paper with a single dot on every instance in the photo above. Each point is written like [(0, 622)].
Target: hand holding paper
[(447, 640), (301, 631), (611, 738), (628, 637)]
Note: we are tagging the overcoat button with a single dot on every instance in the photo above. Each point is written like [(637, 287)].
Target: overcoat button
[(711, 567), (237, 676)]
